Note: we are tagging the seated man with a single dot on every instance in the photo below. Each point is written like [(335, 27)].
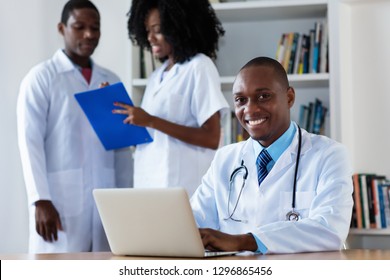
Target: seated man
[(284, 190)]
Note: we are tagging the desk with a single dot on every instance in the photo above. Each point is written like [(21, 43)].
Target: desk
[(355, 254)]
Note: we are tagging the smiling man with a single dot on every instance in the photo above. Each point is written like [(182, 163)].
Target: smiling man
[(62, 158), (283, 190)]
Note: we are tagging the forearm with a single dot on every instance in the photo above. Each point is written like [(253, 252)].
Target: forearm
[(199, 136), (247, 243)]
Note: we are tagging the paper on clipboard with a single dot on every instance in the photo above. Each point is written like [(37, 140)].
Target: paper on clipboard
[(113, 133)]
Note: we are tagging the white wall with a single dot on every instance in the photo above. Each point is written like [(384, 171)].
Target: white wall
[(365, 89), (29, 35)]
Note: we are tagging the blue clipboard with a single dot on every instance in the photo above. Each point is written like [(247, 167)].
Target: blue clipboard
[(113, 133)]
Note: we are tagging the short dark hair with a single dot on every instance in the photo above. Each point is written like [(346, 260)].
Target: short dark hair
[(74, 5), (272, 63), (189, 26)]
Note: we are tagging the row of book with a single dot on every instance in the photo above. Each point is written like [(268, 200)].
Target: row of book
[(371, 197), (304, 53), (312, 116)]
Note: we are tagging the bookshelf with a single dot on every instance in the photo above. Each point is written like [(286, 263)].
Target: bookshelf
[(356, 96), (369, 239)]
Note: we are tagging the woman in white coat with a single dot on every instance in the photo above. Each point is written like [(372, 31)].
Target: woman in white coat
[(258, 216), (183, 101), (62, 158)]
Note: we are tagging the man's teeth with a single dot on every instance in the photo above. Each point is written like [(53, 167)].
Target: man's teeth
[(255, 122)]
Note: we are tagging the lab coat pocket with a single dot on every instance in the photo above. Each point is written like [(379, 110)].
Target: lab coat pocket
[(67, 191), (303, 202)]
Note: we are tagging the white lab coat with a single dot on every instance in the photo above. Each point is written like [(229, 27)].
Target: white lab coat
[(62, 158), (323, 196), (189, 95)]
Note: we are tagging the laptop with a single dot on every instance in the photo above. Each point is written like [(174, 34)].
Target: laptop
[(150, 222)]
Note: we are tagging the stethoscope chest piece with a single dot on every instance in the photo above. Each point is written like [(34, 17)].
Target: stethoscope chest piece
[(292, 216)]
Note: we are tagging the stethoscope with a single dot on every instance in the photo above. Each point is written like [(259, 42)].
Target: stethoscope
[(291, 215)]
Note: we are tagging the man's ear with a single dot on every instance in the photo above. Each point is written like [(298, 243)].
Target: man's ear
[(60, 28), (290, 96)]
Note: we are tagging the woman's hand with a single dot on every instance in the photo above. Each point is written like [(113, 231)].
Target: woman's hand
[(207, 135), (135, 115)]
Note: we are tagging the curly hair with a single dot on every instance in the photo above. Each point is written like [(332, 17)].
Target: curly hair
[(189, 26)]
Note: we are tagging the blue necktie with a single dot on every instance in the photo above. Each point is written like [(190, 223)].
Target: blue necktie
[(262, 161)]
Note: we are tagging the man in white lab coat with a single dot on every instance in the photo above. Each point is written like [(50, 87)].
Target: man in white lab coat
[(242, 206), (62, 158)]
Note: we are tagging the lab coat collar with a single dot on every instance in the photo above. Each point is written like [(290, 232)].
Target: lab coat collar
[(64, 64), (171, 73), (287, 158)]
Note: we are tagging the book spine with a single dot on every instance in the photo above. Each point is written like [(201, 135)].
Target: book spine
[(324, 48), (381, 205), (317, 117), (357, 201), (364, 201), (286, 59), (298, 54), (316, 49)]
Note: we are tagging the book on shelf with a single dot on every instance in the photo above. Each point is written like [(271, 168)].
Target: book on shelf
[(364, 200), (294, 46), (311, 50), (317, 118), (370, 178), (384, 203), (297, 54), (312, 116), (280, 49), (304, 55), (357, 220), (324, 64), (371, 195), (378, 180), (316, 47), (288, 48)]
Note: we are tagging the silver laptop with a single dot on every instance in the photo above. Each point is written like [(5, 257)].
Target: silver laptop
[(150, 222)]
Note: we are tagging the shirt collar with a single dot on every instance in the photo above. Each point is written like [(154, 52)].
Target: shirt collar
[(78, 67), (277, 148)]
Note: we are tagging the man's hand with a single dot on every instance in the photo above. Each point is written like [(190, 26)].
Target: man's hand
[(218, 241), (47, 220)]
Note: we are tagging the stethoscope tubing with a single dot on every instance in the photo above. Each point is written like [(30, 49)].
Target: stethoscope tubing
[(291, 215), (296, 167)]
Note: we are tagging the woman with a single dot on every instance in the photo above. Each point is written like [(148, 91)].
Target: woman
[(183, 102)]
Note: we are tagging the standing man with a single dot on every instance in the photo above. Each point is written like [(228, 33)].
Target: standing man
[(62, 158)]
